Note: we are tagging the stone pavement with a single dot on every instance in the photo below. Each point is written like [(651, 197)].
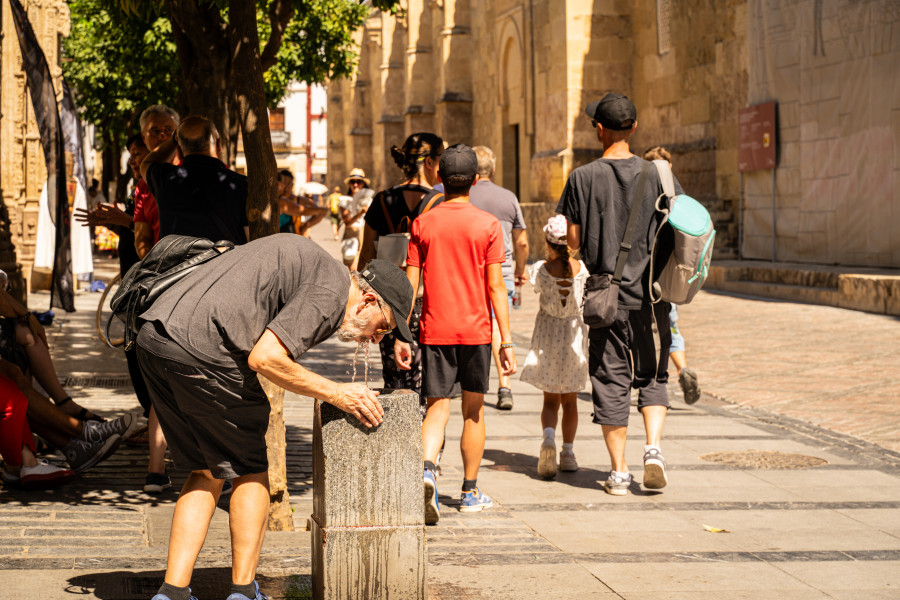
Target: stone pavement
[(831, 531)]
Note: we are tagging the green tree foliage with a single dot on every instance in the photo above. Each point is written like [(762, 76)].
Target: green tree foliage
[(117, 65)]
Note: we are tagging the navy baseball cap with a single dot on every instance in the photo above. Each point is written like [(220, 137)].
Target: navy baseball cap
[(613, 111), (458, 160)]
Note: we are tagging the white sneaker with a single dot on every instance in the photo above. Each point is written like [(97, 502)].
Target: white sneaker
[(567, 461), (44, 476), (547, 460)]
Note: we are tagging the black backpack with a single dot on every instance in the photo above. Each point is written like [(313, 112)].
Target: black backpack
[(167, 263)]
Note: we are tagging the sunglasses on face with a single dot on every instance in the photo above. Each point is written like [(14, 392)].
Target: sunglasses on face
[(386, 322)]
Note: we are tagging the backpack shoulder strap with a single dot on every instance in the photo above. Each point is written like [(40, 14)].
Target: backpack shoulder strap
[(438, 197), (665, 177)]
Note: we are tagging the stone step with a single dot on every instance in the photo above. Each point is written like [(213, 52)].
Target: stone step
[(782, 291)]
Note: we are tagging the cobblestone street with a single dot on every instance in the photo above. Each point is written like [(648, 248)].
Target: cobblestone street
[(801, 380)]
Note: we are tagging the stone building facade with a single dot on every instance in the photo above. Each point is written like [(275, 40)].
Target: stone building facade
[(22, 170), (515, 75)]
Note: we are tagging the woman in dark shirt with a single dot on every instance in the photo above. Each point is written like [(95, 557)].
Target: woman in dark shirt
[(393, 210)]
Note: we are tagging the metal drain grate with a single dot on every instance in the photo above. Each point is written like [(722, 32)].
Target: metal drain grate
[(765, 459), (101, 381)]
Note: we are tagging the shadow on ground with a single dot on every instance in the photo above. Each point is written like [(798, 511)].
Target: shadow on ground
[(206, 583)]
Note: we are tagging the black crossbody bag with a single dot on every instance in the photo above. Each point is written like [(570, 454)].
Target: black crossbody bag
[(601, 291)]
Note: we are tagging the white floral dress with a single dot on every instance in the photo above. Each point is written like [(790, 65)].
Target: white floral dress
[(557, 362)]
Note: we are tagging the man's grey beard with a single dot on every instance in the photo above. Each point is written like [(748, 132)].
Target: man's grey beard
[(352, 328)]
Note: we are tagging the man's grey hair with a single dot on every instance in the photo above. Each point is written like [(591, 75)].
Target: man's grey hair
[(206, 138), (158, 109), (487, 162)]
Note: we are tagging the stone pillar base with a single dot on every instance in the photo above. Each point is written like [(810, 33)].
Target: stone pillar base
[(368, 522)]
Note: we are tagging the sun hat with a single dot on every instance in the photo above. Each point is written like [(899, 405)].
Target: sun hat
[(357, 173)]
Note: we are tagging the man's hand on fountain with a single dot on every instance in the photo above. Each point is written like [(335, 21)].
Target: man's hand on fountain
[(360, 401)]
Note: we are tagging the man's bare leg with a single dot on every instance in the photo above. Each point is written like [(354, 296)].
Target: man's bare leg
[(614, 436), (247, 515), (157, 443), (471, 444), (433, 427), (193, 512)]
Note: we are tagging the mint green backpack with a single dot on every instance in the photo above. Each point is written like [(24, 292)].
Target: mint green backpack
[(692, 228)]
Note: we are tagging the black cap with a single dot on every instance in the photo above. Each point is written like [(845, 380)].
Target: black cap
[(391, 283), (613, 111), (459, 160)]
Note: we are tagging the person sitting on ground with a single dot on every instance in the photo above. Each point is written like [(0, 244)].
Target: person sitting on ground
[(83, 443), (353, 212), (24, 343), (458, 251), (295, 207), (17, 448), (557, 363), (687, 377), (201, 197)]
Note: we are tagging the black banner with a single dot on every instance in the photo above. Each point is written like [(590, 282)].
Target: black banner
[(46, 112)]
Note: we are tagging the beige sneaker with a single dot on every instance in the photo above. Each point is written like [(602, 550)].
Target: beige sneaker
[(567, 461), (547, 460)]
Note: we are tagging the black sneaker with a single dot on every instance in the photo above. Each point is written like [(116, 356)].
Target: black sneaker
[(82, 455), (124, 426), (690, 387), (504, 399), (155, 483)]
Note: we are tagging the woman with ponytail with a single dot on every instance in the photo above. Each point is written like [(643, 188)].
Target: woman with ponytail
[(389, 220)]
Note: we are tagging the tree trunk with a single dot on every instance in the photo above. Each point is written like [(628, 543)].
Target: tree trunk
[(205, 60), (262, 212)]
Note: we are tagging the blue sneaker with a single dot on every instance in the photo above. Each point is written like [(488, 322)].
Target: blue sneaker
[(474, 501), (259, 595), (432, 510), (164, 597)]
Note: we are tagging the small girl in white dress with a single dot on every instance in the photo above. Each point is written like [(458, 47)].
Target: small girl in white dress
[(557, 362)]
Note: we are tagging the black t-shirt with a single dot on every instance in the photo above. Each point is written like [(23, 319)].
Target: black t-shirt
[(398, 211), (201, 197), (598, 196), (283, 282)]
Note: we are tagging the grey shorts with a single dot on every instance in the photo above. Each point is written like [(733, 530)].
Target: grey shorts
[(611, 351), (214, 417), (447, 369)]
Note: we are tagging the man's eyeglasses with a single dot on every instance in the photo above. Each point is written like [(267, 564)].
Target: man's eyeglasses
[(386, 322), (156, 131)]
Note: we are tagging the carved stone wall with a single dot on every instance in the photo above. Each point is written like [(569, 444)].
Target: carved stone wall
[(22, 171), (516, 75)]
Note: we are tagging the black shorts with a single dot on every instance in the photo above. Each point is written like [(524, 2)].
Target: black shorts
[(446, 369), (214, 417)]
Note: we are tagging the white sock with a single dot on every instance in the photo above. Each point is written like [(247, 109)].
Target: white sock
[(649, 446), (568, 446), (550, 435)]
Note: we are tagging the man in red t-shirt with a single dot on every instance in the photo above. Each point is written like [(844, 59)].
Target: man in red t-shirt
[(458, 250)]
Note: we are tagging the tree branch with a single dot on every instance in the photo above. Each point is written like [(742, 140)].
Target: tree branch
[(280, 14)]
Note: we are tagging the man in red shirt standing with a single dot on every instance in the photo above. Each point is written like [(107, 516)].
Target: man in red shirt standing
[(158, 123), (458, 251)]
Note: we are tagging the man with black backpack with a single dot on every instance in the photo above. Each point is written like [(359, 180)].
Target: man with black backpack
[(610, 208), (253, 309)]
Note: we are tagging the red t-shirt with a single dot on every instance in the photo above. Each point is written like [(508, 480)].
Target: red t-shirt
[(453, 244), (145, 209)]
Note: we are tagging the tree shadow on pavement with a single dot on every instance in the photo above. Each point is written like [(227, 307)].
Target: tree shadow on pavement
[(206, 583)]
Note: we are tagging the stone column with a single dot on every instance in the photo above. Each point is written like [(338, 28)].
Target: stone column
[(419, 111), (368, 529), (453, 113)]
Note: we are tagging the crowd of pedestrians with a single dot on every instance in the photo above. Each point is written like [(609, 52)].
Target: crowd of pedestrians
[(430, 269)]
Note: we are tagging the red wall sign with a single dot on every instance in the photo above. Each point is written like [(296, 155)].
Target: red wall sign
[(756, 137)]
